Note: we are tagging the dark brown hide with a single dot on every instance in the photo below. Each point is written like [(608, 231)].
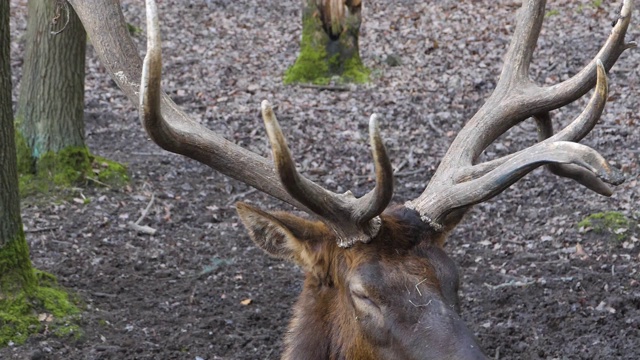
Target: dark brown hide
[(393, 298)]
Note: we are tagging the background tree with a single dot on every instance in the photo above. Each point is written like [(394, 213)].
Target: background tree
[(329, 44), (24, 291), (15, 266), (51, 101)]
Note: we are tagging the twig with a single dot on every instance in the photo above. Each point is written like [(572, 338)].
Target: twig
[(41, 229), (510, 284), (60, 242), (235, 197), (399, 167), (433, 127), (192, 297), (104, 295), (325, 87), (420, 305), (99, 182), (142, 228), (420, 282), (138, 153), (408, 173)]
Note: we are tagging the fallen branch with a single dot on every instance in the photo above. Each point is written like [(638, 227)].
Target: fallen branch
[(143, 228), (510, 284), (37, 230), (98, 182)]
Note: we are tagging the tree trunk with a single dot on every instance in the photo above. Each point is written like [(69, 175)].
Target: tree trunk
[(50, 124), (51, 101), (329, 44), (16, 273)]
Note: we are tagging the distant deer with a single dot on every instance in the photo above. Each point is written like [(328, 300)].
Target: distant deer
[(378, 284)]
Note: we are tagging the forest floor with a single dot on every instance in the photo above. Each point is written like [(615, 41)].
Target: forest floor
[(535, 284)]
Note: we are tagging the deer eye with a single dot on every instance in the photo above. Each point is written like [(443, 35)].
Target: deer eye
[(361, 297)]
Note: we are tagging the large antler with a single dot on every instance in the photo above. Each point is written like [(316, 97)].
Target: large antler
[(459, 182), (350, 218)]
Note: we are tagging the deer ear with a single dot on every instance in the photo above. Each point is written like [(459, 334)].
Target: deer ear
[(283, 235)]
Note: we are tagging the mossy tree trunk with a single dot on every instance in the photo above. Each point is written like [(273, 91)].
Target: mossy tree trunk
[(51, 100), (16, 273), (24, 291), (329, 44)]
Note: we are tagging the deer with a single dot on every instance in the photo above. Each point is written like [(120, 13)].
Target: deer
[(378, 282)]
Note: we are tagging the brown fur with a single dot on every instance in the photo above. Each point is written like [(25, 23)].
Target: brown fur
[(382, 300)]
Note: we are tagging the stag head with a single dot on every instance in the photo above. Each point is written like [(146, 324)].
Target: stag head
[(395, 297), (378, 284)]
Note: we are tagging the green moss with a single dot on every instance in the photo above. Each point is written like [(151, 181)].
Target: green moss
[(67, 167), (16, 321), (26, 164), (15, 267), (611, 222), (30, 184), (110, 172), (133, 30), (322, 59), (53, 298), (30, 298), (552, 12), (22, 314), (355, 71), (72, 166), (311, 66)]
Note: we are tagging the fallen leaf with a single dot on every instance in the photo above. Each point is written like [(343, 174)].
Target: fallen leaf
[(580, 252), (44, 317)]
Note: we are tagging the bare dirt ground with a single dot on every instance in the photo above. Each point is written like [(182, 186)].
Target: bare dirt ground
[(529, 292)]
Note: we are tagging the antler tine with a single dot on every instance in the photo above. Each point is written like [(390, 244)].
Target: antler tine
[(575, 131), (581, 175), (150, 85), (517, 98), (459, 183), (494, 182), (179, 134), (573, 88), (307, 192), (375, 201), (353, 220), (588, 118), (518, 57)]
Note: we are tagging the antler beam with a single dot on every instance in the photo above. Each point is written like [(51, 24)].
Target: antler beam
[(352, 220), (459, 182)]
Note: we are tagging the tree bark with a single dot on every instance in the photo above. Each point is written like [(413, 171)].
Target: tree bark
[(16, 272), (329, 44), (51, 101), (337, 16)]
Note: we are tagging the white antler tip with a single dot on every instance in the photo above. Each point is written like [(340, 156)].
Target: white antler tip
[(373, 123), (265, 105)]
